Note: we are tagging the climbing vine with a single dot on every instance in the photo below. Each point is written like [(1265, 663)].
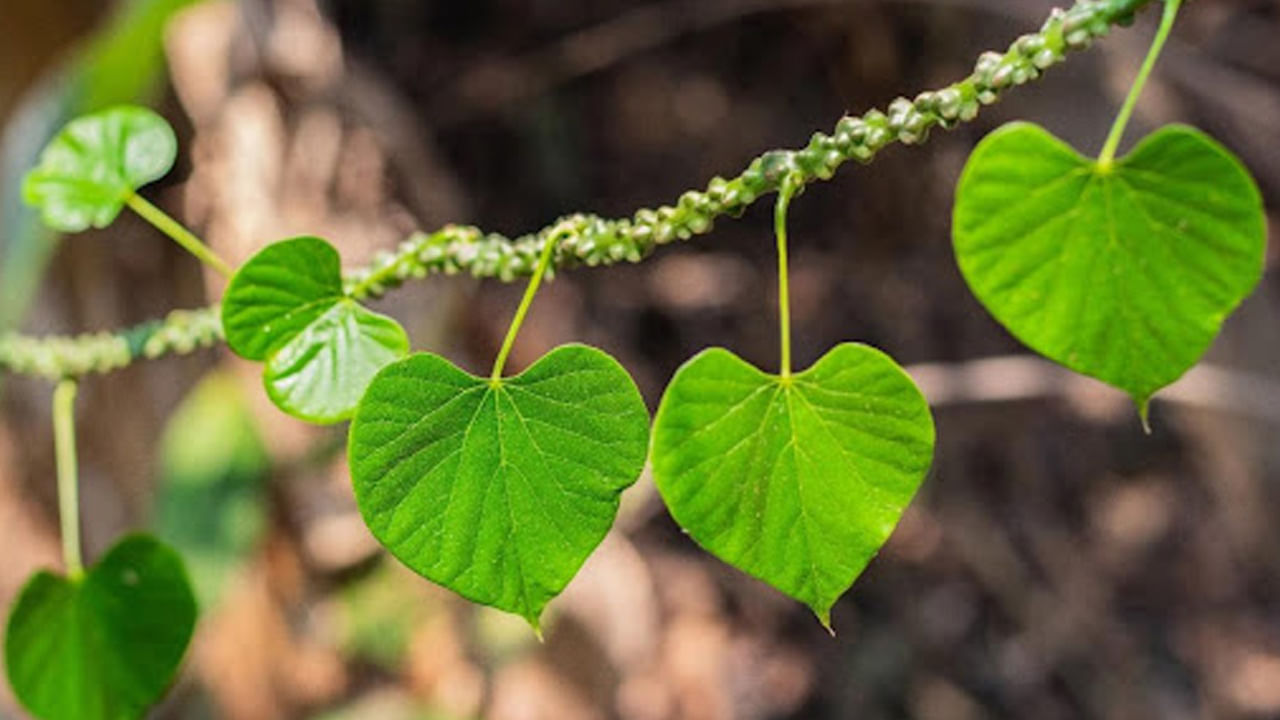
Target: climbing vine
[(500, 486)]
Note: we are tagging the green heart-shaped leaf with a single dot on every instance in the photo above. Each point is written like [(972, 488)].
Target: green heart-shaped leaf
[(797, 481), (1124, 273), (90, 168), (286, 306), (498, 490), (104, 646)]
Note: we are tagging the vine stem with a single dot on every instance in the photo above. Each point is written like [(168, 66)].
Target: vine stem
[(1107, 157), (64, 437), (595, 241), (180, 234), (544, 260), (786, 191)]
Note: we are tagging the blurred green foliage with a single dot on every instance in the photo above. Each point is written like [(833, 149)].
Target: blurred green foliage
[(210, 502), (378, 614)]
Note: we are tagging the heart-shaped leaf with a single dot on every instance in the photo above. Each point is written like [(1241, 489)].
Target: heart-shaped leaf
[(90, 168), (286, 306), (797, 481), (104, 646), (1123, 272), (498, 490)]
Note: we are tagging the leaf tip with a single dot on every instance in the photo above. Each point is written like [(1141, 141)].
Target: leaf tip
[(824, 618), (536, 624), (1143, 404)]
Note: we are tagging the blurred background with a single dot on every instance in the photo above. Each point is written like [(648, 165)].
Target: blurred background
[(1058, 563)]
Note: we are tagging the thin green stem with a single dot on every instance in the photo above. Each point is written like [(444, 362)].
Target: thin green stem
[(1108, 154), (180, 234), (786, 191), (64, 438), (548, 249)]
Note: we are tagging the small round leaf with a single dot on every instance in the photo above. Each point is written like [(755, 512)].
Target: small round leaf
[(796, 481), (92, 166), (104, 646), (497, 490), (286, 307), (1123, 273)]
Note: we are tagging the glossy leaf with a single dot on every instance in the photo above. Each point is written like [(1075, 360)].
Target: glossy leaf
[(498, 491), (104, 646), (90, 168), (287, 307), (796, 481), (1122, 273)]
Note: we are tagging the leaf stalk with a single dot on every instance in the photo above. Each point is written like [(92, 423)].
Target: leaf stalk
[(64, 436), (178, 233), (786, 191), (544, 260), (1107, 157)]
